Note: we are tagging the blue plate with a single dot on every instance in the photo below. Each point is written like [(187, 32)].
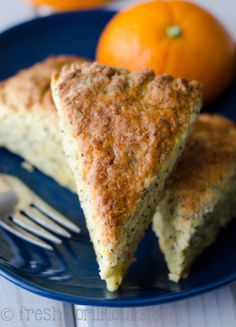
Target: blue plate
[(71, 272)]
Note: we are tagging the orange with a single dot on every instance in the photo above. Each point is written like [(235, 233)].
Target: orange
[(69, 4), (174, 37)]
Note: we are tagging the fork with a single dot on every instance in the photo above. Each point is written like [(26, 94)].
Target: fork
[(27, 216)]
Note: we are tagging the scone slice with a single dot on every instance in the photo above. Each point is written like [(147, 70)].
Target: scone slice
[(28, 119), (200, 197), (122, 134)]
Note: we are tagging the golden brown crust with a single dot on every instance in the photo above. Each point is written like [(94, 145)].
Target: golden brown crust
[(208, 159), (30, 88), (126, 125)]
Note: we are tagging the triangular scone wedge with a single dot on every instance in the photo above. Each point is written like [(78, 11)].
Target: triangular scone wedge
[(28, 119), (122, 134), (200, 197)]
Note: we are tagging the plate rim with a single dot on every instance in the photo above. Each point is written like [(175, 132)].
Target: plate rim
[(118, 303), (76, 299), (16, 27)]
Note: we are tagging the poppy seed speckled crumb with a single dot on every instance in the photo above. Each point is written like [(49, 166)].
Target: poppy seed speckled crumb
[(110, 115)]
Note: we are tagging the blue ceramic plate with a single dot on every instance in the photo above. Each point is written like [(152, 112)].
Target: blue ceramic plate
[(70, 273)]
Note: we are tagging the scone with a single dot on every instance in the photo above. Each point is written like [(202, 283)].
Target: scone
[(28, 119), (200, 197), (122, 133)]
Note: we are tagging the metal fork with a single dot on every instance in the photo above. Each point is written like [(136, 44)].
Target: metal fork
[(25, 215)]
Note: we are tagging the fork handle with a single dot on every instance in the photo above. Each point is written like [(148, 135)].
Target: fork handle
[(8, 201)]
